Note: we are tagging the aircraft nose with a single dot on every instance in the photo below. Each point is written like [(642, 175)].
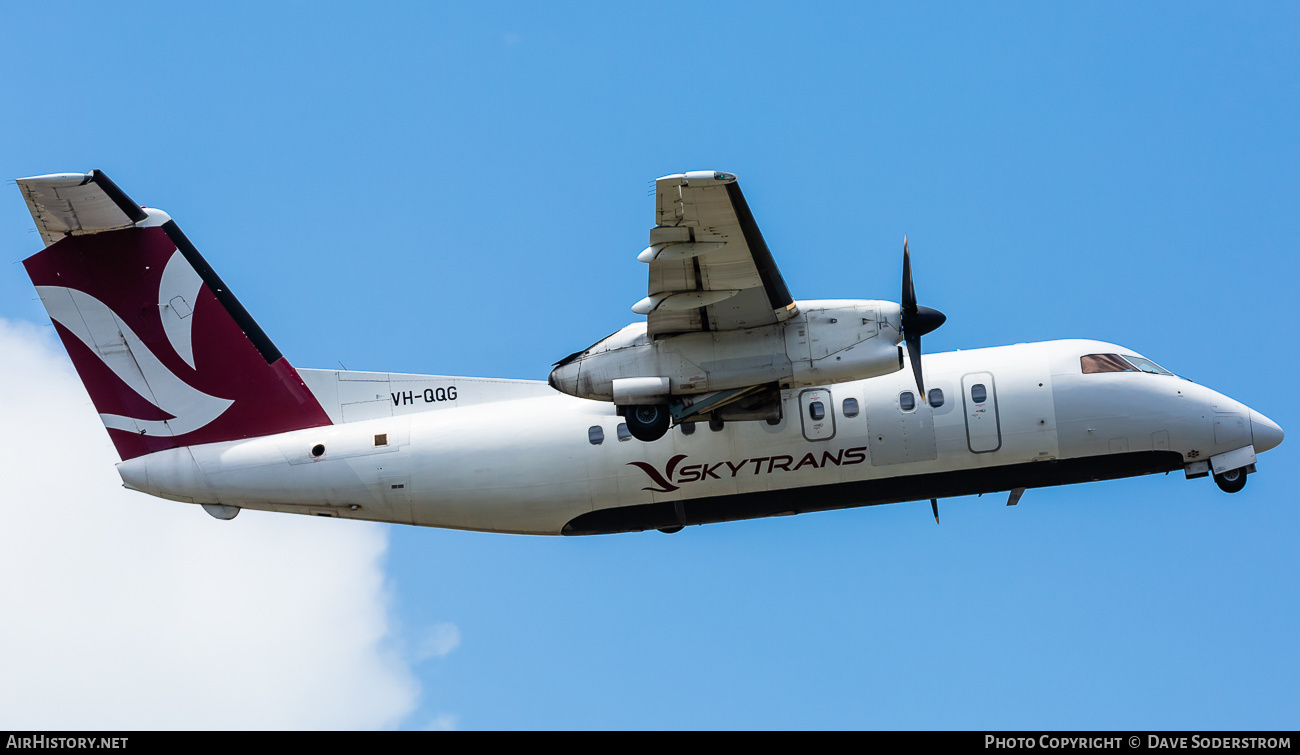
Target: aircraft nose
[(1265, 431)]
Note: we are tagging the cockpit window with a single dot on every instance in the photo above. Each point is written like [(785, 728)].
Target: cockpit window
[(1117, 363), (1105, 363), (1146, 365)]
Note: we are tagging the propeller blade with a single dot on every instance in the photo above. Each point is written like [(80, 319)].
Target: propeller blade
[(934, 506), (909, 291), (913, 342), (916, 321)]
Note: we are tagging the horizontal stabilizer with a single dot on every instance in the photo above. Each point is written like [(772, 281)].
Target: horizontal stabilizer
[(65, 204)]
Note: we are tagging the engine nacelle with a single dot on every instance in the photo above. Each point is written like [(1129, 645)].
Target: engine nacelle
[(829, 341)]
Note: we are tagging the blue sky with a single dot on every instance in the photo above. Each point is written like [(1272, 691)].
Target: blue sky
[(463, 189)]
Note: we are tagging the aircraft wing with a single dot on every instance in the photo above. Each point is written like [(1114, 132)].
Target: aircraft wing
[(710, 269), (68, 204)]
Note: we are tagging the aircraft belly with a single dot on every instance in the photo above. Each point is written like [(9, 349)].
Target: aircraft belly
[(854, 493)]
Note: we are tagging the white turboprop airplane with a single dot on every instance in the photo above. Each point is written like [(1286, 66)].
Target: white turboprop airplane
[(775, 406)]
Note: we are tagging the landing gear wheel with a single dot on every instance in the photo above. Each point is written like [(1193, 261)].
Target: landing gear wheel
[(647, 422), (1231, 481)]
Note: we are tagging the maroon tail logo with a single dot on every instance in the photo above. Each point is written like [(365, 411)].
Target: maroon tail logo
[(662, 480), (167, 354)]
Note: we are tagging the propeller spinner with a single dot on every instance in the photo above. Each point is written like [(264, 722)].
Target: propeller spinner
[(917, 321)]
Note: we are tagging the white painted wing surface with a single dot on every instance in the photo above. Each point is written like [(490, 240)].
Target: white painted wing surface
[(710, 269)]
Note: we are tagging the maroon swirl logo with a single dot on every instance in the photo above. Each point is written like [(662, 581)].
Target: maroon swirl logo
[(662, 480)]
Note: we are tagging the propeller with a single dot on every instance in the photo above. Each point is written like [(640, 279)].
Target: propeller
[(917, 321)]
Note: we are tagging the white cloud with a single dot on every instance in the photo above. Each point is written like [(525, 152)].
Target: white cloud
[(444, 722), (440, 640), (120, 611)]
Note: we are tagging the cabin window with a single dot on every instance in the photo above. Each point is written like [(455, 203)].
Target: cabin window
[(688, 428), (936, 398), (773, 421), (381, 440), (595, 435), (850, 407), (623, 432), (978, 393), (715, 423), (906, 401), (1105, 363), (817, 411)]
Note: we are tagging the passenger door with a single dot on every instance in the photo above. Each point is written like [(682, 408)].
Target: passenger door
[(817, 413), (983, 434)]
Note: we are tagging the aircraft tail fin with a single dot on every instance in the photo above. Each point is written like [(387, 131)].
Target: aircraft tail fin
[(168, 354)]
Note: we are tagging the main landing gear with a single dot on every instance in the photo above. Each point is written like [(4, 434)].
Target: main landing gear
[(647, 422), (1231, 481)]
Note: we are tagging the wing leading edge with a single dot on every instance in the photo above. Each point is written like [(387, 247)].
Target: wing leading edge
[(710, 268)]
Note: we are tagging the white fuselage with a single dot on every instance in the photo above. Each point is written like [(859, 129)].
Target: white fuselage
[(526, 461)]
